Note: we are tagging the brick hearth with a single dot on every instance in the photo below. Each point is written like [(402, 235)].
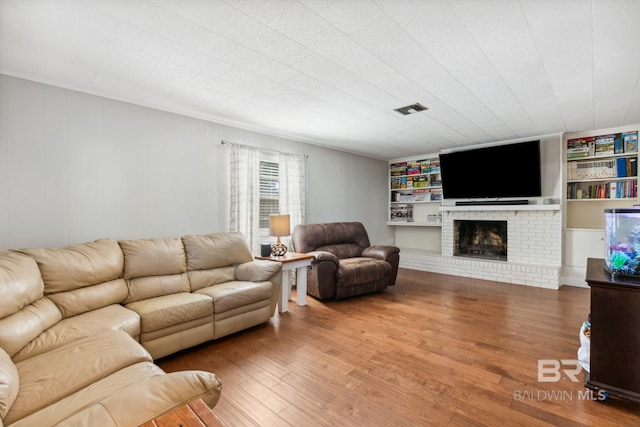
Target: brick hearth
[(535, 247)]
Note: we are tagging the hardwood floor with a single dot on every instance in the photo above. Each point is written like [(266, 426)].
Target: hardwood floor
[(434, 350)]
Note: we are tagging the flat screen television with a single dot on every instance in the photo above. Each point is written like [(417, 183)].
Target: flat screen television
[(507, 170)]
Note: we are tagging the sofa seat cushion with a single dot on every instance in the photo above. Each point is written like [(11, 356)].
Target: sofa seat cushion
[(237, 293), (50, 377), (169, 310), (112, 317), (362, 270)]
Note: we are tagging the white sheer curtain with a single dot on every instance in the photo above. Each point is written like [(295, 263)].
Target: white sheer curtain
[(292, 172), (245, 190), (244, 216)]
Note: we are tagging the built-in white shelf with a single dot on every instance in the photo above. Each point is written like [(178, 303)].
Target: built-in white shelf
[(445, 208), (416, 223)]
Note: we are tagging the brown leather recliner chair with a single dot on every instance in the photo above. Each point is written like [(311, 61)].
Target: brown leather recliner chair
[(345, 263)]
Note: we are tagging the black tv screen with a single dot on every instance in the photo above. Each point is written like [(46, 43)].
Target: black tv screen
[(508, 170)]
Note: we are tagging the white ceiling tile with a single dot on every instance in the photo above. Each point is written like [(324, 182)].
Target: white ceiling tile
[(116, 30), (160, 21), (347, 16), (251, 34), (168, 50), (208, 65), (216, 16), (122, 10), (322, 69), (286, 51), (298, 23)]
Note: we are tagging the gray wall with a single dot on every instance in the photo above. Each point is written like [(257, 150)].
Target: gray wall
[(76, 167)]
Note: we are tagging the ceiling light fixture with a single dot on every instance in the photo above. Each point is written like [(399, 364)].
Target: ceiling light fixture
[(411, 109)]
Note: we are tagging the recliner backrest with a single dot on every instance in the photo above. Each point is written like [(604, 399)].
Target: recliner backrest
[(343, 239)]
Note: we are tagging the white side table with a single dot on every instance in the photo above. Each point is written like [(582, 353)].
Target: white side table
[(290, 261)]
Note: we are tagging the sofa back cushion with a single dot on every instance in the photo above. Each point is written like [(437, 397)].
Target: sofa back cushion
[(212, 258), (20, 282), (81, 277), (24, 312), (343, 239), (77, 266), (154, 267)]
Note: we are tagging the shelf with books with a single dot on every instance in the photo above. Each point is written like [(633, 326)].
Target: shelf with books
[(602, 167), (592, 168), (603, 189), (414, 183), (603, 145)]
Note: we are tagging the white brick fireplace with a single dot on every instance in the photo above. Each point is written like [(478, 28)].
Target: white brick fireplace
[(534, 254)]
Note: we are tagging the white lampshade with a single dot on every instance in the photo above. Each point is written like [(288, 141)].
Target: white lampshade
[(279, 225)]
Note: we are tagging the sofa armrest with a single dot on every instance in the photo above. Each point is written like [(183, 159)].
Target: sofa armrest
[(257, 270), (380, 251)]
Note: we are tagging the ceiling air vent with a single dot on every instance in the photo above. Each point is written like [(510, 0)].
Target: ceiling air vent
[(410, 109)]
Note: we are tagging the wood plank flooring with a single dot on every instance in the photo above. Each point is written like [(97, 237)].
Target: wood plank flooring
[(434, 350)]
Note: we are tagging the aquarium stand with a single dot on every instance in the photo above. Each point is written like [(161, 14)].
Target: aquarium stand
[(615, 333)]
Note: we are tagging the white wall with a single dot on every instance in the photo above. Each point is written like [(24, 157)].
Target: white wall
[(76, 167)]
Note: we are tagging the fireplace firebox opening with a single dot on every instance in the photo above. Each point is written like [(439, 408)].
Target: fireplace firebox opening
[(480, 239)]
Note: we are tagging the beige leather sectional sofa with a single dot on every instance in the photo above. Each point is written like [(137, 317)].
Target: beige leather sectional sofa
[(80, 326)]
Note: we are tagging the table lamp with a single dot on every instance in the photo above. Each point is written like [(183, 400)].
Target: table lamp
[(279, 226)]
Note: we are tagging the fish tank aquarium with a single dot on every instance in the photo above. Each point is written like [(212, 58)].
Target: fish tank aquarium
[(622, 242)]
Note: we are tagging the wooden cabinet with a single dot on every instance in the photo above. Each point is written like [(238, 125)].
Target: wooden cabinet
[(615, 333)]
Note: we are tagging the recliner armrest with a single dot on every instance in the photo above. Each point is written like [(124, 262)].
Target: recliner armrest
[(380, 251), (324, 256)]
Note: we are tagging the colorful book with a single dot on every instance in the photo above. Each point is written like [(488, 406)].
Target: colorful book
[(397, 169), (630, 141), (621, 167), (605, 145), (580, 147)]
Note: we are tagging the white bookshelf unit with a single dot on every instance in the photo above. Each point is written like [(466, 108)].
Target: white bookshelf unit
[(601, 172), (415, 191), (589, 192)]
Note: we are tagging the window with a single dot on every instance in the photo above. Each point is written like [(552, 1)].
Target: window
[(269, 193), (261, 183)]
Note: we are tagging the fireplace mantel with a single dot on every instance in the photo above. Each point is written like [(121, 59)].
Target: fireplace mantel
[(467, 208)]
